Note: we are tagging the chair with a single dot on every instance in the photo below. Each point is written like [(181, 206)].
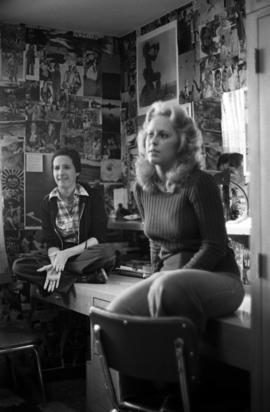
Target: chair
[(14, 338), (156, 349)]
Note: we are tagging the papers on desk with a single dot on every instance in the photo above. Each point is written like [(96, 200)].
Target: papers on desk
[(135, 216)]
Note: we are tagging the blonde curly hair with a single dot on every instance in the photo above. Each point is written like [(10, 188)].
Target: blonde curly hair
[(189, 154)]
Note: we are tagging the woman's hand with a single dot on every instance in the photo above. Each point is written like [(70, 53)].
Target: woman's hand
[(60, 259), (52, 278)]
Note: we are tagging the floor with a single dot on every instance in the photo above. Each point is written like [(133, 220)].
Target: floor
[(62, 396), (66, 396)]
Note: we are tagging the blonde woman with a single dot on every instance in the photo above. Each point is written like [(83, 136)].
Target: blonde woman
[(194, 269)]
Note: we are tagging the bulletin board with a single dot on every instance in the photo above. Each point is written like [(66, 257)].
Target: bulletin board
[(38, 182)]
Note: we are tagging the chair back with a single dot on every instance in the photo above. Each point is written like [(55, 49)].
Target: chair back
[(144, 347)]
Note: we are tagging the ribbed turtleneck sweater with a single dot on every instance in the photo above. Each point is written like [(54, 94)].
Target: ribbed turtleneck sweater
[(189, 221)]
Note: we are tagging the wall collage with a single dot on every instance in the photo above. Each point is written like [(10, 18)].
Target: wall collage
[(57, 88), (65, 88)]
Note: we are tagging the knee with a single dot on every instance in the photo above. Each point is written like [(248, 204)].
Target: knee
[(157, 295), (16, 265), (162, 285)]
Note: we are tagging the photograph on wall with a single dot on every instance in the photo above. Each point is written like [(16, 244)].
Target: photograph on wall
[(111, 145), (90, 171), (31, 62), (12, 145), (209, 9), (72, 79), (92, 73), (42, 136), (13, 210), (111, 115), (207, 114), (129, 135), (38, 182), (131, 160), (129, 103), (111, 170), (91, 113), (209, 45), (12, 67), (92, 144), (13, 184), (12, 37), (186, 61), (12, 215), (46, 92), (157, 66), (185, 28), (13, 102), (74, 140)]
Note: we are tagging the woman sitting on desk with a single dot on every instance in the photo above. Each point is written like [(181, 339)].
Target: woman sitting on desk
[(74, 223), (195, 272)]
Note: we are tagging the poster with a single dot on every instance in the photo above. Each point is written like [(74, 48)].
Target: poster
[(157, 66)]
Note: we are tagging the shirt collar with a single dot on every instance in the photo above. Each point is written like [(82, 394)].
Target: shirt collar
[(79, 191)]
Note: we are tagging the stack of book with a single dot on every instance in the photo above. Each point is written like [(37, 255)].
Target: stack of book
[(136, 268)]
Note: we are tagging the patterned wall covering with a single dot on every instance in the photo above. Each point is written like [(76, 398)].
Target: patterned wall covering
[(65, 88), (211, 62), (56, 88)]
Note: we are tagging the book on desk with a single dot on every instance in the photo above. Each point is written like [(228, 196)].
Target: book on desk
[(135, 268)]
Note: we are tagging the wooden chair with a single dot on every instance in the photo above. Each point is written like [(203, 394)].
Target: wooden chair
[(161, 349), (14, 338)]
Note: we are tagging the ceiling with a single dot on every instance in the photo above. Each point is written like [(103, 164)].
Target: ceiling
[(108, 17)]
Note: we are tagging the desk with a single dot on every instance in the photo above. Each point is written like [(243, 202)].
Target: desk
[(227, 338), (80, 299)]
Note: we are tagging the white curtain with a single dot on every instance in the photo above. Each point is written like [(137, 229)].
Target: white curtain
[(234, 123)]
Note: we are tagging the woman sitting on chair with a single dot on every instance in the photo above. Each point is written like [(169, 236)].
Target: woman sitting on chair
[(194, 269), (74, 223)]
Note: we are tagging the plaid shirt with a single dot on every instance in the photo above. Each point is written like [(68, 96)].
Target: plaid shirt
[(68, 222)]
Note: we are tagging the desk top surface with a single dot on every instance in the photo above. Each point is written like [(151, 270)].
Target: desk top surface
[(82, 296), (228, 336)]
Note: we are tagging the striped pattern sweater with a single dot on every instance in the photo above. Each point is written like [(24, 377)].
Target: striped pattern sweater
[(189, 221)]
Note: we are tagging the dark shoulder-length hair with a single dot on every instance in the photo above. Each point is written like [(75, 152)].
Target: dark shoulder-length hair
[(72, 153), (189, 152)]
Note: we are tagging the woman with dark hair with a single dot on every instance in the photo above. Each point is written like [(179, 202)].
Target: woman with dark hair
[(74, 226), (194, 269)]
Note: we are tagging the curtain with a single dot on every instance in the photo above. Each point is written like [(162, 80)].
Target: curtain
[(234, 123)]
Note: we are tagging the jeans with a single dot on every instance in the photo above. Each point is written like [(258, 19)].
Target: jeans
[(196, 294), (90, 260)]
